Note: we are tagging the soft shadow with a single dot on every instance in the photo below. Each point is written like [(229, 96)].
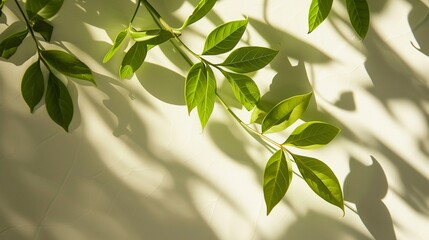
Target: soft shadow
[(166, 85), (314, 225), (366, 186)]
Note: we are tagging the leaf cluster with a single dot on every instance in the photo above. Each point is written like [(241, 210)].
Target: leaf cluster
[(200, 88), (57, 98), (358, 11), (201, 93)]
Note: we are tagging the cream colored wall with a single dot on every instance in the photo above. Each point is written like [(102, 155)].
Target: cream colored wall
[(136, 166)]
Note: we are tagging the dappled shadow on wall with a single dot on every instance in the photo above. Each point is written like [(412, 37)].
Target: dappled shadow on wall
[(366, 186), (315, 225), (78, 194)]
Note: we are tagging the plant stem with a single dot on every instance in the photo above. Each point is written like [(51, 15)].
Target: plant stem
[(247, 127), (29, 26), (135, 12)]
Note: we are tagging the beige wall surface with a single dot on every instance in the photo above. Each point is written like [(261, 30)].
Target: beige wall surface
[(136, 166)]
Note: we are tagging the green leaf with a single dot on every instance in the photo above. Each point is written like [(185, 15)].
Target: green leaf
[(312, 135), (194, 85), (9, 46), (321, 179), (285, 113), (58, 102), (359, 16), (206, 105), (224, 38), (245, 89), (116, 44), (319, 11), (67, 64), (277, 178), (44, 28), (249, 59), (203, 7), (140, 36), (162, 37), (133, 59), (257, 115), (32, 85), (42, 9)]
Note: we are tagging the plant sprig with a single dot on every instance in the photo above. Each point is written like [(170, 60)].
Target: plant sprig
[(59, 104), (201, 93)]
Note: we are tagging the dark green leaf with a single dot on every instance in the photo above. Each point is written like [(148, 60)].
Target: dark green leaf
[(312, 135), (319, 10), (67, 64), (249, 59), (194, 85), (277, 178), (162, 37), (203, 7), (32, 85), (58, 102), (245, 89), (206, 105), (359, 16), (116, 44), (9, 46), (224, 38), (133, 60), (44, 28), (285, 113), (42, 9), (321, 179)]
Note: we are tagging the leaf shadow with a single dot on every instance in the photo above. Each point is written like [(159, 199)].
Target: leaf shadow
[(166, 85), (366, 186)]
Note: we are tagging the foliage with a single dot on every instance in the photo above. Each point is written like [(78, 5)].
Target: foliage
[(200, 91), (358, 11), (57, 98)]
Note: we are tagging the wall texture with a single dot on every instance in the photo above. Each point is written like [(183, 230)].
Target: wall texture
[(136, 166)]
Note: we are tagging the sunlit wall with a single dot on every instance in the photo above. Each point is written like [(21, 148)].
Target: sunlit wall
[(136, 166)]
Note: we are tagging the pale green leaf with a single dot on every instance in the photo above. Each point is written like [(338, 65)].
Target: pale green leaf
[(249, 59), (32, 85), (257, 115), (67, 64), (245, 89), (277, 178), (285, 113), (44, 28), (319, 11), (141, 36), (359, 16), (42, 9), (133, 59), (9, 46), (321, 179), (58, 102), (203, 7), (312, 135), (224, 38), (116, 44), (206, 105), (194, 85)]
